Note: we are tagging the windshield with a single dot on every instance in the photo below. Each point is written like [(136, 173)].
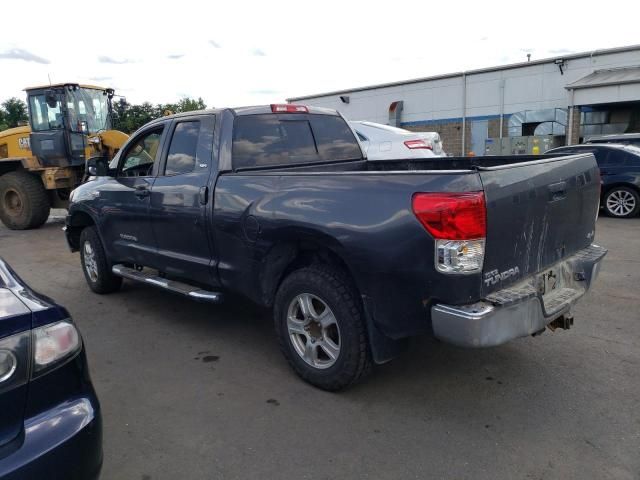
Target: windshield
[(88, 105), (83, 105)]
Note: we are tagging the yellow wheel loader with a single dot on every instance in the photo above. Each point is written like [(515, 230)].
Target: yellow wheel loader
[(42, 163)]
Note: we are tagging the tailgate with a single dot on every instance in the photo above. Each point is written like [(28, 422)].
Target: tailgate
[(537, 214)]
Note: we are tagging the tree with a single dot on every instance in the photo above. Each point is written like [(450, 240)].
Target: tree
[(189, 104), (13, 112), (129, 118)]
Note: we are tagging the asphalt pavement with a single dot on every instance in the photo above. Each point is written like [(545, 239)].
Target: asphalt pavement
[(195, 391)]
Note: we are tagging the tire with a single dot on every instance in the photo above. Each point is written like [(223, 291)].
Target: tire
[(318, 362), (95, 265), (622, 202), (24, 203)]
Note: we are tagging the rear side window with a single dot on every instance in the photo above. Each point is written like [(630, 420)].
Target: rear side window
[(268, 140), (608, 157), (182, 151)]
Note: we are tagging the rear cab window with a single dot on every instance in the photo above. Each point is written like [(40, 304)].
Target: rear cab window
[(181, 158), (269, 140)]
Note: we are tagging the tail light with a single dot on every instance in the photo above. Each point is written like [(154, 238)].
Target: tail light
[(14, 361), (288, 108), (54, 343), (457, 221), (417, 144), (30, 353)]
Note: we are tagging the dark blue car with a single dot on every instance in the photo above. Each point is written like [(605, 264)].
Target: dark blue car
[(50, 424)]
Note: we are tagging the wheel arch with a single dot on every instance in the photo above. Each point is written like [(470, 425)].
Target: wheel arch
[(295, 253), (7, 166), (78, 221), (607, 188)]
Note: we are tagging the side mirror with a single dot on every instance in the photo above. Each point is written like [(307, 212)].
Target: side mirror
[(98, 167)]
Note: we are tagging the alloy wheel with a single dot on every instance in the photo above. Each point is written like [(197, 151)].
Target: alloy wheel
[(90, 263), (621, 202), (313, 331)]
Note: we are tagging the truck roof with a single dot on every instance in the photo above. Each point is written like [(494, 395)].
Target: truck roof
[(58, 85), (240, 111)]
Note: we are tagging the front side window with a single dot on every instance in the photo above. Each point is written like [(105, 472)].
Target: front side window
[(182, 151), (44, 116), (138, 159)]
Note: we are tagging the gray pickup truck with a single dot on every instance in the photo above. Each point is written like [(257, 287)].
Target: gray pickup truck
[(280, 205)]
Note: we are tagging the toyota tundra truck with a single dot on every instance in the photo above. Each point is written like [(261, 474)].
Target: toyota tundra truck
[(279, 204)]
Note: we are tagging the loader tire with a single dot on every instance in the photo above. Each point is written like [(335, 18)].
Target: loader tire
[(24, 203)]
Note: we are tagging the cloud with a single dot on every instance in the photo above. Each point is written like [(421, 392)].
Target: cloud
[(113, 61), (100, 79), (265, 91), (559, 51), (256, 52), (214, 44), (175, 56), (20, 54)]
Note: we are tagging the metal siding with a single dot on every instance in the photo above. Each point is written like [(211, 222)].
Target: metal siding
[(607, 94), (526, 87)]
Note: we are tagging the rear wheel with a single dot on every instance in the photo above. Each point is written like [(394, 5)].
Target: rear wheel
[(622, 202), (95, 265), (320, 327), (24, 202)]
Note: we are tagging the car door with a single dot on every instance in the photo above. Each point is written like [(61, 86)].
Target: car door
[(180, 198), (126, 228)]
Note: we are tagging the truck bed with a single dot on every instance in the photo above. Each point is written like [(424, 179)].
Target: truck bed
[(404, 165)]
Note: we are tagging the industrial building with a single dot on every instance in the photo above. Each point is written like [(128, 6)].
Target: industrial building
[(507, 109)]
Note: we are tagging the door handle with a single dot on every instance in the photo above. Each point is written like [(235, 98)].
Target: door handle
[(142, 190), (558, 191), (204, 195)]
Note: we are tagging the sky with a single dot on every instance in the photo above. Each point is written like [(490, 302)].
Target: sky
[(237, 53)]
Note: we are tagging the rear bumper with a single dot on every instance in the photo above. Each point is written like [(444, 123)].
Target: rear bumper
[(520, 310), (62, 443)]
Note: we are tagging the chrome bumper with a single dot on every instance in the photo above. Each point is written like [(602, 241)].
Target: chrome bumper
[(520, 310)]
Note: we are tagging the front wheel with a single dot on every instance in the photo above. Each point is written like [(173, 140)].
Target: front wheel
[(24, 203), (320, 327), (622, 202), (95, 264)]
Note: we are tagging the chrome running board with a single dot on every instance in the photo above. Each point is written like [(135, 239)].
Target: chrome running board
[(191, 291)]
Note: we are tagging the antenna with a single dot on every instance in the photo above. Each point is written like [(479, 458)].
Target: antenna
[(49, 77), (528, 57)]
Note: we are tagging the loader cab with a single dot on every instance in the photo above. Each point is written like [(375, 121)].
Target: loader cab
[(63, 117)]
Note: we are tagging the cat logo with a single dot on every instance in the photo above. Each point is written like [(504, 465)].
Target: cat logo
[(24, 143)]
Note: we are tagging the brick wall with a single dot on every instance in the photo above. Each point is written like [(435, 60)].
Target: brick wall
[(494, 127), (575, 131), (450, 133)]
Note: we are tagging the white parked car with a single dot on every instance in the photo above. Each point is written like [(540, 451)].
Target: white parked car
[(382, 142)]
